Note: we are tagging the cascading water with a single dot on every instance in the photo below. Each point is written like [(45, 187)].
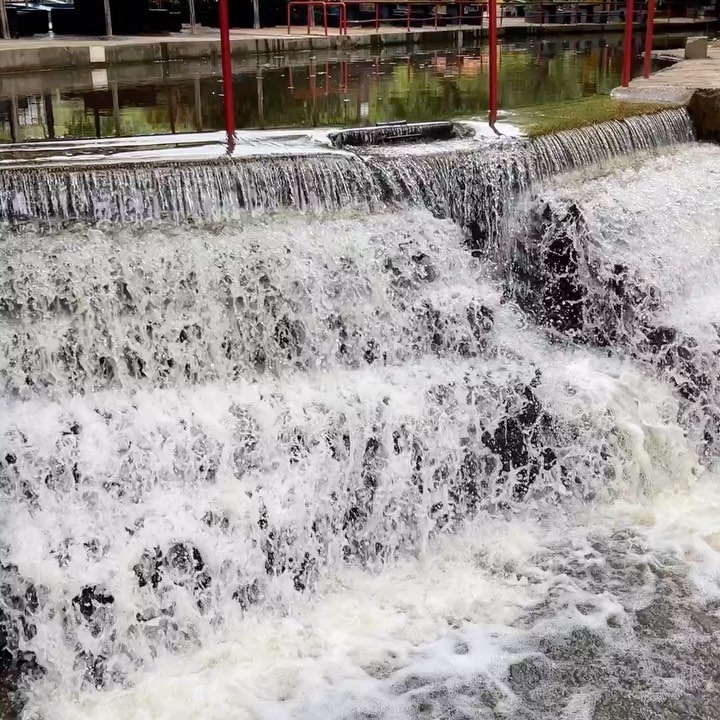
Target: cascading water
[(337, 466), (629, 263), (468, 185)]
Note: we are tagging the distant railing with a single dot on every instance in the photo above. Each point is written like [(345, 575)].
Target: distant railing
[(310, 6), (412, 13), (456, 13)]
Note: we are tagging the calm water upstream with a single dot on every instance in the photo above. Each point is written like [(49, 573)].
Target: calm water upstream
[(303, 89)]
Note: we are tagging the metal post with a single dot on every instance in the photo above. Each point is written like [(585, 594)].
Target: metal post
[(49, 115), (198, 104), (492, 24), (261, 96), (116, 107), (4, 24), (226, 71), (627, 48), (649, 32), (193, 21), (14, 119), (256, 14), (108, 18)]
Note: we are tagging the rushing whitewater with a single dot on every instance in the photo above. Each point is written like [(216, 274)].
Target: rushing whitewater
[(428, 454)]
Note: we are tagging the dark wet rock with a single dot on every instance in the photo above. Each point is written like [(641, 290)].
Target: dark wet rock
[(90, 598), (148, 568), (412, 682), (562, 277), (435, 702), (425, 270), (185, 566), (582, 643), (527, 674), (519, 440), (283, 557), (656, 619), (704, 621), (546, 266), (249, 594), (479, 691), (617, 705)]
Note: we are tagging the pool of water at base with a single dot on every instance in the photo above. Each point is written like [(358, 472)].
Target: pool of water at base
[(309, 89)]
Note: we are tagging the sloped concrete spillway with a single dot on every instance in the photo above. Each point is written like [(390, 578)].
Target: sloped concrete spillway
[(443, 445)]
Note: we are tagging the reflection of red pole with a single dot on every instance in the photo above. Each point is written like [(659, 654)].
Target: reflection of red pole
[(649, 32), (627, 49), (492, 20), (226, 70)]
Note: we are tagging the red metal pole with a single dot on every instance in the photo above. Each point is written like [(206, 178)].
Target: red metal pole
[(226, 70), (627, 48), (649, 32), (492, 24)]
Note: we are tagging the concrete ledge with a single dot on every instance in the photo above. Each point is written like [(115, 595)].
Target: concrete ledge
[(660, 94)]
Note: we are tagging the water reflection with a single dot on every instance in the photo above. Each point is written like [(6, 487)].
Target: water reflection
[(305, 90)]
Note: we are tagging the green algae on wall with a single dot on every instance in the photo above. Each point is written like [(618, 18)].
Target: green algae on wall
[(554, 117)]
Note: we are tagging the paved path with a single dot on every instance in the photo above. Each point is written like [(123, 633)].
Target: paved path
[(694, 83), (676, 84)]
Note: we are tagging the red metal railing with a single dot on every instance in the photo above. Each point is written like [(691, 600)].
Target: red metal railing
[(310, 6), (493, 42), (225, 53), (649, 31), (627, 45), (407, 18)]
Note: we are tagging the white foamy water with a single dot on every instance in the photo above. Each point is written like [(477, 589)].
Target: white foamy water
[(323, 467)]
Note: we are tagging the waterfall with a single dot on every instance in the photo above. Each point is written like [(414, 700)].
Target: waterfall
[(603, 266), (275, 442), (461, 185)]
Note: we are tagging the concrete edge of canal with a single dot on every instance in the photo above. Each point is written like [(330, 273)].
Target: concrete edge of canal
[(694, 84)]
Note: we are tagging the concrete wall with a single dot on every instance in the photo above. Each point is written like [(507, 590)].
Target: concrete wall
[(704, 109)]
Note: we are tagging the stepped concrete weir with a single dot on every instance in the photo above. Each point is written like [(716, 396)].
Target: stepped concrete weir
[(463, 179), (387, 431)]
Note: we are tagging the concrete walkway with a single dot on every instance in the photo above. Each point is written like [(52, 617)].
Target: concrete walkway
[(694, 83), (677, 83), (44, 53)]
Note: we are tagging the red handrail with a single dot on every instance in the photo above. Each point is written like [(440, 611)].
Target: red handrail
[(324, 4), (376, 20), (225, 52), (628, 46)]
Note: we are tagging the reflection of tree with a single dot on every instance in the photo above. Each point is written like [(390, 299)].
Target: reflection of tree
[(428, 86)]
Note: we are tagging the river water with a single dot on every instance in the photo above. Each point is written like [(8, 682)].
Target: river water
[(397, 460), (309, 88)]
